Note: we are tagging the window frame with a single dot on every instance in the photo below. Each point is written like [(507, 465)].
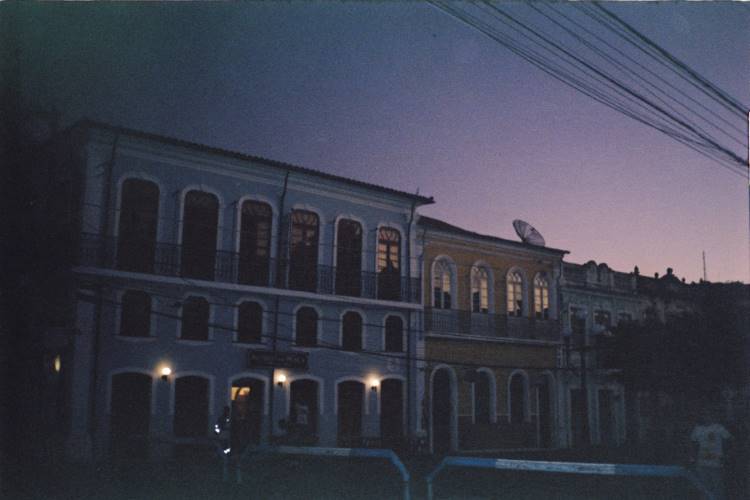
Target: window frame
[(343, 335), (318, 320), (209, 321), (262, 322), (515, 289), (542, 297), (148, 320), (479, 276)]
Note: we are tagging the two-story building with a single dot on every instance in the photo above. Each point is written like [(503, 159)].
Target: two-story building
[(206, 278), (594, 299), (492, 340)]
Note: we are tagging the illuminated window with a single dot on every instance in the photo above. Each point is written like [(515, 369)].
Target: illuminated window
[(348, 258), (351, 339), (250, 323), (199, 235), (515, 294), (394, 334), (303, 251), (441, 285), (139, 208), (480, 295), (135, 320), (255, 243), (541, 297), (389, 267), (195, 313), (306, 327)]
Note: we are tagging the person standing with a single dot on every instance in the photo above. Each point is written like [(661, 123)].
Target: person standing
[(222, 429), (710, 436)]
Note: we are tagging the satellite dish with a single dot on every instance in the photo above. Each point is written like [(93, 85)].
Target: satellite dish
[(527, 233)]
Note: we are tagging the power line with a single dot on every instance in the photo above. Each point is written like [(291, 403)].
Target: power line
[(397, 356), (710, 89), (651, 113)]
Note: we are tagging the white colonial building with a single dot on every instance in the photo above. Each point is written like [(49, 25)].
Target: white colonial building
[(206, 278)]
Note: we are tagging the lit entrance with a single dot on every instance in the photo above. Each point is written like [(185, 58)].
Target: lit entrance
[(247, 413)]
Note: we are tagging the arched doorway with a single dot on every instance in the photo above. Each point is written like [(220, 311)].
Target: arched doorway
[(247, 412), (303, 409), (191, 406), (391, 412), (443, 416), (482, 398), (517, 399), (545, 414), (130, 415), (349, 409)]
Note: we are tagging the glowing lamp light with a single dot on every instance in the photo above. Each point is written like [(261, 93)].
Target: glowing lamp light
[(374, 383), (165, 373), (280, 380), (57, 364)]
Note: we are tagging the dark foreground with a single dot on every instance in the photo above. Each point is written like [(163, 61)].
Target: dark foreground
[(316, 478)]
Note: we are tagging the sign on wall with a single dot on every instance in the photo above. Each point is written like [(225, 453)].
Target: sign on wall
[(283, 359)]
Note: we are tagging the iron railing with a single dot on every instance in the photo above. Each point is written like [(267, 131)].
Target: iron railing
[(169, 259), (490, 325)]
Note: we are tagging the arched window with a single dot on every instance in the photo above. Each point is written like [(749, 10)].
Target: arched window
[(306, 327), (394, 334), (195, 313), (517, 398), (190, 406), (441, 285), (199, 235), (349, 258), (351, 334), (255, 243), (139, 209), (303, 251), (135, 320), (480, 290), (250, 323), (541, 297), (515, 294), (389, 264)]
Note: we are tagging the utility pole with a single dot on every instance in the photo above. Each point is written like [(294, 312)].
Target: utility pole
[(277, 302), (704, 266)]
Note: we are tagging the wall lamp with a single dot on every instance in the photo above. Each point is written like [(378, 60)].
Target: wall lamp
[(165, 373), (374, 383), (280, 380)]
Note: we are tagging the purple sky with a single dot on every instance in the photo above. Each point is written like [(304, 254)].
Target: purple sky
[(404, 95)]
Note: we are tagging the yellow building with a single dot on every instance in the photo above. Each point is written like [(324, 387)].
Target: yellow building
[(492, 340)]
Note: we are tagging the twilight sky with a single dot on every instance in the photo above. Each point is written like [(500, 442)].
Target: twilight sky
[(403, 95)]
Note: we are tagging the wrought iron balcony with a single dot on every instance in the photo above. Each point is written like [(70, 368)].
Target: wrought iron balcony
[(490, 325), (168, 259)]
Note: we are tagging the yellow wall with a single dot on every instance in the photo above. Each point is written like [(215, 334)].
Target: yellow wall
[(500, 262)]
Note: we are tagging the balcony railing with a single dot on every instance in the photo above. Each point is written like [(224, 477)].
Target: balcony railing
[(490, 325), (168, 259)]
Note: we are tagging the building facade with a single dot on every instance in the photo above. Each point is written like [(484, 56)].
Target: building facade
[(492, 341), (206, 279), (594, 300)]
